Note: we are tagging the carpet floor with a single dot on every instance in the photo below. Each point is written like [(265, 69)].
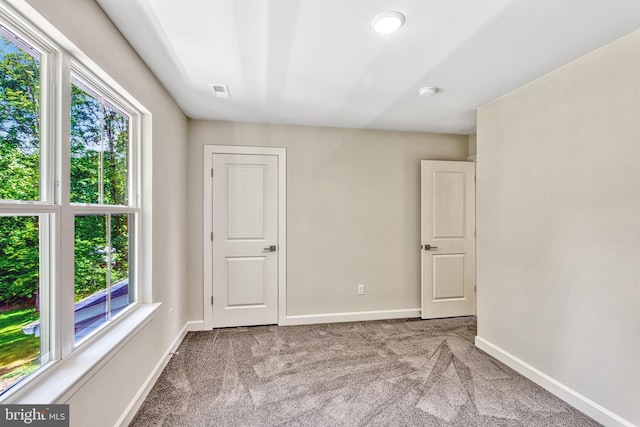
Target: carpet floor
[(381, 373)]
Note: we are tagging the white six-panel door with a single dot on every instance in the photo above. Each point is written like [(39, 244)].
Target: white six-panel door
[(448, 239), (244, 241)]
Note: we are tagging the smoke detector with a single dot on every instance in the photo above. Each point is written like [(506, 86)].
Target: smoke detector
[(220, 91)]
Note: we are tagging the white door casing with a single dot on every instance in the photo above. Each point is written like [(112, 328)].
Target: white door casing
[(448, 238), (244, 244)]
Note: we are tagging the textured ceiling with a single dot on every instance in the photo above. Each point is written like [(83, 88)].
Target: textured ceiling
[(318, 62)]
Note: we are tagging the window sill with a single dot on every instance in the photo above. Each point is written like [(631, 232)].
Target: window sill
[(58, 382)]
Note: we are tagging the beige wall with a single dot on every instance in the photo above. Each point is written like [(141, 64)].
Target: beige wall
[(559, 225), (352, 211), (102, 400), (473, 148)]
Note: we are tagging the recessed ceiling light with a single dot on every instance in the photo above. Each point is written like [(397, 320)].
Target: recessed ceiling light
[(387, 22), (427, 91)]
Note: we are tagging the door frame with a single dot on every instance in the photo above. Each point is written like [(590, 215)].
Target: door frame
[(207, 215), (426, 205)]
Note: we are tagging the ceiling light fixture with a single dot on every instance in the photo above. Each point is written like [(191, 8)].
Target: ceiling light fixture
[(388, 22), (427, 91)]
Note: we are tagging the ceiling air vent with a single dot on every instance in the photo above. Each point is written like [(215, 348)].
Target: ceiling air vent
[(220, 91)]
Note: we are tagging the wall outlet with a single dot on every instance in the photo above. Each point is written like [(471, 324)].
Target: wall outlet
[(360, 289)]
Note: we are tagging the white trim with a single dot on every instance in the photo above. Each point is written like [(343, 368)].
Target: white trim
[(356, 316), (195, 325), (61, 379), (472, 158), (281, 154), (572, 397), (28, 16), (137, 401), (282, 236)]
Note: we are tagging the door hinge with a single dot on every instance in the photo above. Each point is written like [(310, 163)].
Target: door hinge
[(211, 299), (212, 236), (212, 172), (475, 288)]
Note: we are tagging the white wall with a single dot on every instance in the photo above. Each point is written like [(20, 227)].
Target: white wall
[(102, 400), (353, 213), (559, 226)]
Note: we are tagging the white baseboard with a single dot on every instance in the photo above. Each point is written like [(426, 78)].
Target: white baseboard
[(195, 325), (356, 316), (572, 397), (142, 394)]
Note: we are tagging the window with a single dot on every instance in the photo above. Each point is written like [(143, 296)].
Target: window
[(100, 181), (21, 348), (99, 148), (23, 345), (19, 119), (101, 270), (69, 210)]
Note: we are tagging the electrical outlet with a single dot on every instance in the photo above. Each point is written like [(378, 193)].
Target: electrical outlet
[(360, 289)]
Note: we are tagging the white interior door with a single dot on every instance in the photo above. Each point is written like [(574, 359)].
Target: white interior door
[(448, 239), (244, 254)]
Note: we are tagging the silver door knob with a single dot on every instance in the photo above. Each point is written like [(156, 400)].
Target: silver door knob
[(271, 248), (428, 247)]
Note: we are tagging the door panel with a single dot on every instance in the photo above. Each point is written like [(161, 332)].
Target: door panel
[(448, 238), (246, 214), (245, 227), (246, 281), (448, 276), (448, 205)]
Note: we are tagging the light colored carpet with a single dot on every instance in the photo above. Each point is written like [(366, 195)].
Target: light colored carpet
[(383, 373)]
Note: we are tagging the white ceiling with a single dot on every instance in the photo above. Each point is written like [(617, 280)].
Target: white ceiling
[(318, 62)]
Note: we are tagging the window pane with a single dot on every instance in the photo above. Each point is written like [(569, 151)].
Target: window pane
[(116, 149), (85, 147), (99, 149), (19, 121), (101, 270), (19, 298)]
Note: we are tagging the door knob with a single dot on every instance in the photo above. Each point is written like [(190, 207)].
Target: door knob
[(428, 247), (271, 248)]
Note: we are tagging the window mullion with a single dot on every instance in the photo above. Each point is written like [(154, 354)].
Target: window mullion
[(65, 259), (101, 155), (102, 209), (50, 243), (47, 129), (49, 223), (108, 257), (133, 162), (47, 270)]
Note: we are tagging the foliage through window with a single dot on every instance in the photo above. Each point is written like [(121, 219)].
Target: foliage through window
[(71, 236), (19, 234), (99, 149), (101, 270), (19, 119), (19, 290)]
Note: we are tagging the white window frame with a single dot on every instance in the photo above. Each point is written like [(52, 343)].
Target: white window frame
[(70, 364), (45, 208), (104, 94)]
